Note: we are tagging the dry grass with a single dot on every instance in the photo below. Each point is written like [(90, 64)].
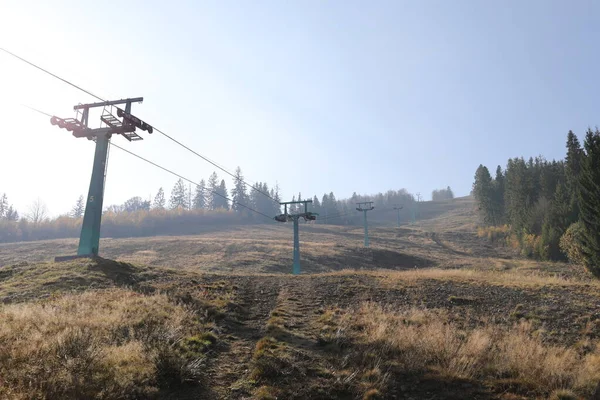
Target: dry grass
[(509, 278), (320, 339), (268, 249), (494, 233), (425, 340), (271, 358), (99, 344), (26, 281)]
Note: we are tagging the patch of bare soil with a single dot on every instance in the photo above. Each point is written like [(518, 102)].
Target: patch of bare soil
[(288, 312)]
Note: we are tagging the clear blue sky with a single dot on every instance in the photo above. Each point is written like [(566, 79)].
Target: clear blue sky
[(319, 96)]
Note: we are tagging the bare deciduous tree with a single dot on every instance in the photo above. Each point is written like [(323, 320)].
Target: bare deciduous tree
[(37, 212)]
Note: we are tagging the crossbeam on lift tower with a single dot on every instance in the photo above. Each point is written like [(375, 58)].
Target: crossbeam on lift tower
[(285, 217), (123, 124), (364, 207)]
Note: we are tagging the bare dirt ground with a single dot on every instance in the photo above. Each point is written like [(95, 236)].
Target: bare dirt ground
[(272, 327)]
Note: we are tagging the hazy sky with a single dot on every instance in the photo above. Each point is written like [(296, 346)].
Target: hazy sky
[(319, 96)]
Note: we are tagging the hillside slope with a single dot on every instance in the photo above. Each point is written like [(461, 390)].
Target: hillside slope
[(268, 336), (456, 214), (428, 312), (267, 248)]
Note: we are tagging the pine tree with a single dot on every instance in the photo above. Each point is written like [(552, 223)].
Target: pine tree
[(179, 196), (498, 197), (534, 172), (316, 205), (199, 201), (261, 203), (589, 201), (483, 191), (78, 209), (332, 205), (11, 214), (519, 193), (325, 208), (238, 193), (3, 206), (255, 197), (275, 207), (436, 195), (573, 161), (266, 204), (213, 188), (159, 200), (573, 158), (222, 201), (551, 174), (558, 219)]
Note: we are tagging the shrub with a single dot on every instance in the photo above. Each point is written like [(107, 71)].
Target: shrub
[(495, 234), (570, 243), (531, 245)]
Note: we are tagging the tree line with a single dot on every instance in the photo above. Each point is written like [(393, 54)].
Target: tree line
[(188, 209), (551, 209), (442, 194), (211, 195)]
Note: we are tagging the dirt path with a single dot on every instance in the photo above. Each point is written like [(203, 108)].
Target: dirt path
[(241, 329)]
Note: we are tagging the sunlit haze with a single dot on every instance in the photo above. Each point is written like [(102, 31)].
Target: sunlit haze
[(342, 96)]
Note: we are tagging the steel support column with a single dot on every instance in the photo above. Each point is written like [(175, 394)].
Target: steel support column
[(364, 207), (366, 228), (89, 241)]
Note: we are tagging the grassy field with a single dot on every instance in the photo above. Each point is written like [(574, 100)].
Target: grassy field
[(430, 311)]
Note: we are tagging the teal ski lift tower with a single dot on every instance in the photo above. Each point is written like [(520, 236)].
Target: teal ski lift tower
[(124, 124), (365, 206), (285, 217), (398, 207)]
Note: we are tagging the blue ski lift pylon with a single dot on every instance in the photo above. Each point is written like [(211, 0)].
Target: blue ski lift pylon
[(89, 239), (285, 217)]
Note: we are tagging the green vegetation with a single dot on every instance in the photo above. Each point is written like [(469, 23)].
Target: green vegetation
[(589, 202), (551, 208)]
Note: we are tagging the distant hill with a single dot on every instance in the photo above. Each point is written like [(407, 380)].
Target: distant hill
[(456, 214)]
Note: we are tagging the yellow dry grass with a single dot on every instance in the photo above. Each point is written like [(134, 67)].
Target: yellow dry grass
[(98, 344), (505, 278), (509, 278), (419, 340)]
